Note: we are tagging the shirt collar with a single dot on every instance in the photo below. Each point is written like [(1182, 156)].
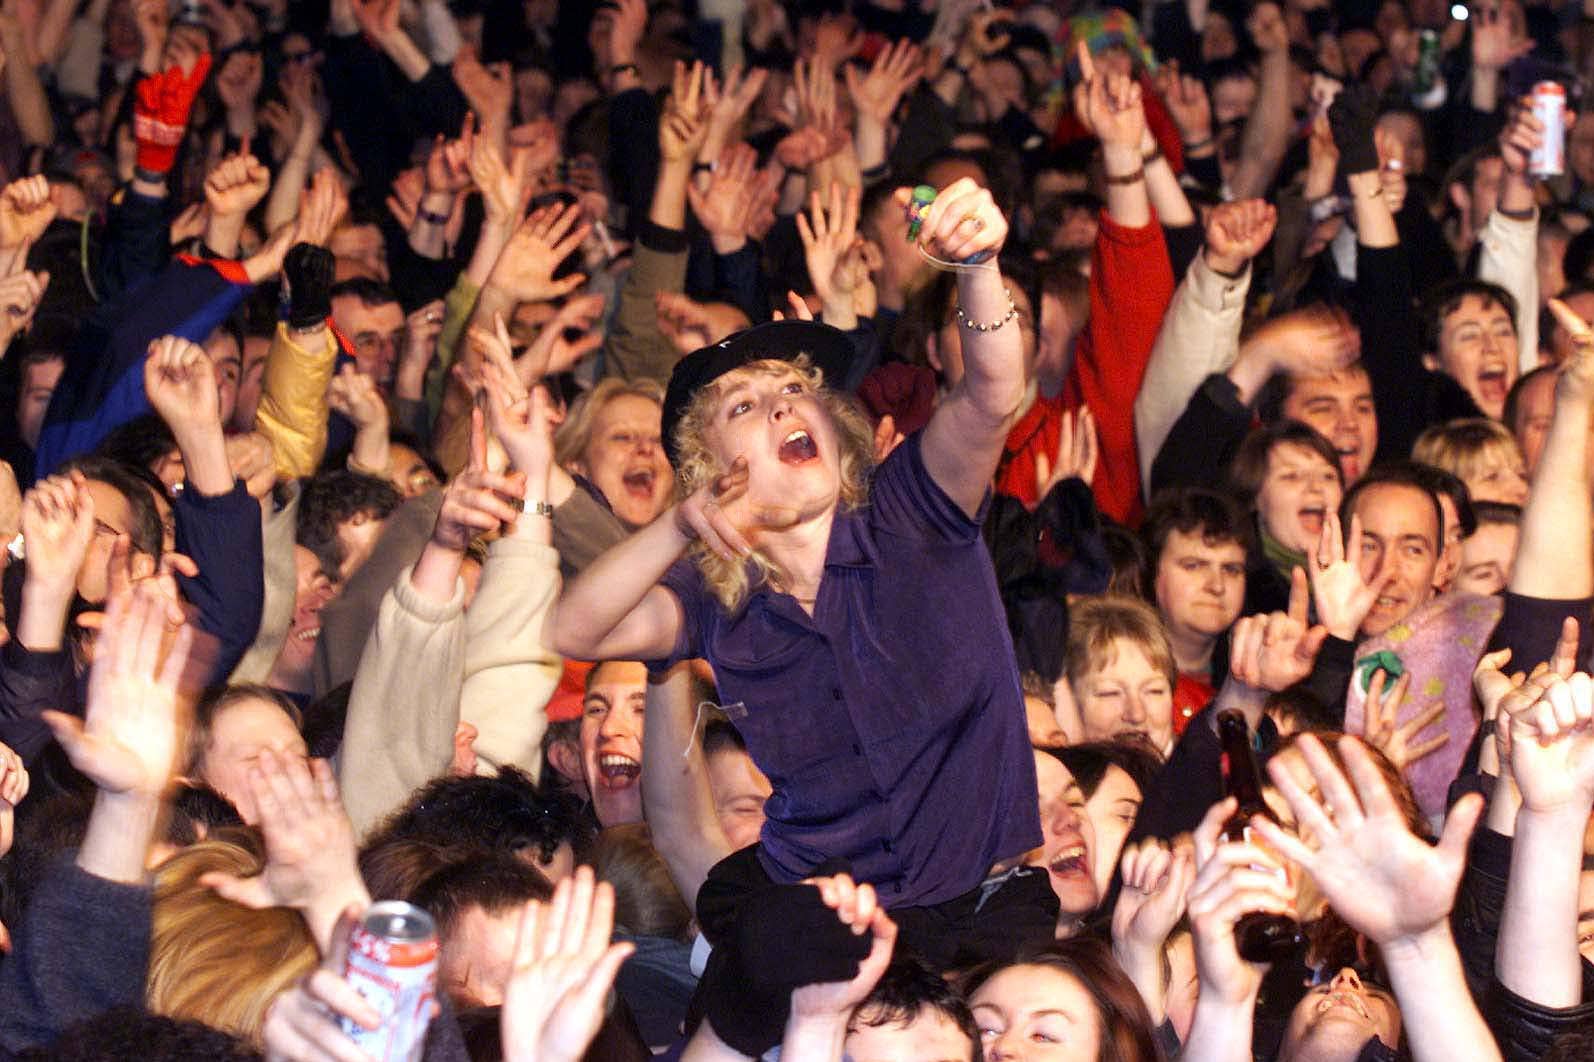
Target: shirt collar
[(850, 546)]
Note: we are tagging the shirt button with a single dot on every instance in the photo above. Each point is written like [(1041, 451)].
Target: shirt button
[(835, 693)]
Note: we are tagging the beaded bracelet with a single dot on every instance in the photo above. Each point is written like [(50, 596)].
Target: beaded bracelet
[(1012, 312)]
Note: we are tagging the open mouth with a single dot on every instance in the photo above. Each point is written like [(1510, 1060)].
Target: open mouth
[(309, 634), (1311, 520), (1071, 861), (1492, 384), (640, 482), (798, 447), (618, 771), (1349, 461), (1348, 1000)]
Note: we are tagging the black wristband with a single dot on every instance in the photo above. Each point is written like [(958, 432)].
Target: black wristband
[(1517, 215), (148, 176)]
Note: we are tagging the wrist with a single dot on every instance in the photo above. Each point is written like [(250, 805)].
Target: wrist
[(727, 242), (1419, 947), (1560, 819)]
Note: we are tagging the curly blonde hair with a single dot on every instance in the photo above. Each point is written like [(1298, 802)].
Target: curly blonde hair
[(729, 580)]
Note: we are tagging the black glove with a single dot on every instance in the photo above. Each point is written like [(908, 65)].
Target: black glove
[(1351, 118), (308, 271)]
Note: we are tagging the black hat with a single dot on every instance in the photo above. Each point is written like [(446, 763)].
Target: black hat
[(827, 348)]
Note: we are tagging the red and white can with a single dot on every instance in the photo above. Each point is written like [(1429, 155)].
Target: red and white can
[(1549, 107), (393, 964)]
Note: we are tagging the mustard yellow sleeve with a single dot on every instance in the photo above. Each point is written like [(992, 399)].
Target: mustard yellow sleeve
[(458, 305), (293, 401)]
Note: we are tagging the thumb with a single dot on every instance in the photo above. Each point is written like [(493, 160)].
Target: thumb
[(245, 892), (1459, 824), (66, 728), (568, 284)]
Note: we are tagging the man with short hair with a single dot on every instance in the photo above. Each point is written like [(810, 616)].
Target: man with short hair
[(368, 313), (913, 1013), (611, 740)]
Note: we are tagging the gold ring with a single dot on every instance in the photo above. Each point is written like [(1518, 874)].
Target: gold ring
[(517, 504)]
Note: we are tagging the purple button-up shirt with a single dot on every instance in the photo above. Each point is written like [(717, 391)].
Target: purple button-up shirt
[(890, 723)]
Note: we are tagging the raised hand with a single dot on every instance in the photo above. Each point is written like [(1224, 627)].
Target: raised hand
[(895, 71), (320, 210), (562, 969), (1398, 741), (1342, 595), (723, 205), (1492, 46), (505, 189), (702, 515), (815, 84), (180, 382), (1108, 104), (1237, 232), (477, 500), (127, 742), (545, 239), (25, 211), (13, 787), (728, 104), (1552, 744), (630, 21), (519, 415), (1077, 453), (20, 295), (302, 1024), (1274, 652), (1156, 883), (57, 529), (490, 90), (310, 849), (964, 221), (1576, 380), (447, 170), (691, 325), (236, 184), (1232, 880), (238, 81), (378, 19), (1188, 104), (827, 236), (1267, 28), (684, 125), (1382, 879)]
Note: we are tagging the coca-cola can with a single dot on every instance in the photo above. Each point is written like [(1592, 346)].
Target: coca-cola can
[(393, 964), (1549, 107)]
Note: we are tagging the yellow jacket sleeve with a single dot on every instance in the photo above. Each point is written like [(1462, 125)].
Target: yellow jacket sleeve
[(293, 401)]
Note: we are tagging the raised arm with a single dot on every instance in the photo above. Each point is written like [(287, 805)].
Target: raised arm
[(1553, 558), (965, 435), (676, 798), (1552, 762), (1508, 244), (1267, 130), (1391, 886)]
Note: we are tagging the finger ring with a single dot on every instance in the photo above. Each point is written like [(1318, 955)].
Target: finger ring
[(517, 504)]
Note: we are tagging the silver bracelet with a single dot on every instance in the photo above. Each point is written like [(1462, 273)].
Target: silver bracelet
[(542, 508), (1012, 312)]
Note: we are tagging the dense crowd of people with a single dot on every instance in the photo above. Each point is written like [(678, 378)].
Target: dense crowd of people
[(750, 514)]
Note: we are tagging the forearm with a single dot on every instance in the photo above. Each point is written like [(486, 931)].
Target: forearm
[(436, 572), (676, 798), (283, 203), (1537, 954), (1143, 966), (1267, 130), (1128, 202), (993, 360), (668, 208), (490, 244), (205, 465), (1437, 1013), (597, 601), (42, 625), (1485, 90), (405, 55), (223, 232), (1552, 558), (1220, 1032), (120, 829), (50, 38), (372, 450), (869, 140), (1167, 197), (28, 103), (427, 235), (1375, 224), (816, 1038), (1507, 252)]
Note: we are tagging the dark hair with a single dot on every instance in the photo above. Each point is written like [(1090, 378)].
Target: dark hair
[(720, 734), (328, 499), (1400, 474), (1441, 481), (1188, 510), (144, 520), (906, 990), (646, 901), (395, 867), (197, 811), (1126, 1033), (1444, 299), (1089, 761), (132, 1032), (139, 443), (1573, 1046), (1248, 470), (504, 813), (493, 881), (1126, 552), (324, 719), (369, 292), (1513, 398)]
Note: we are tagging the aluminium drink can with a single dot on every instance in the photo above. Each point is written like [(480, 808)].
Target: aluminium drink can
[(1549, 107), (393, 964)]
